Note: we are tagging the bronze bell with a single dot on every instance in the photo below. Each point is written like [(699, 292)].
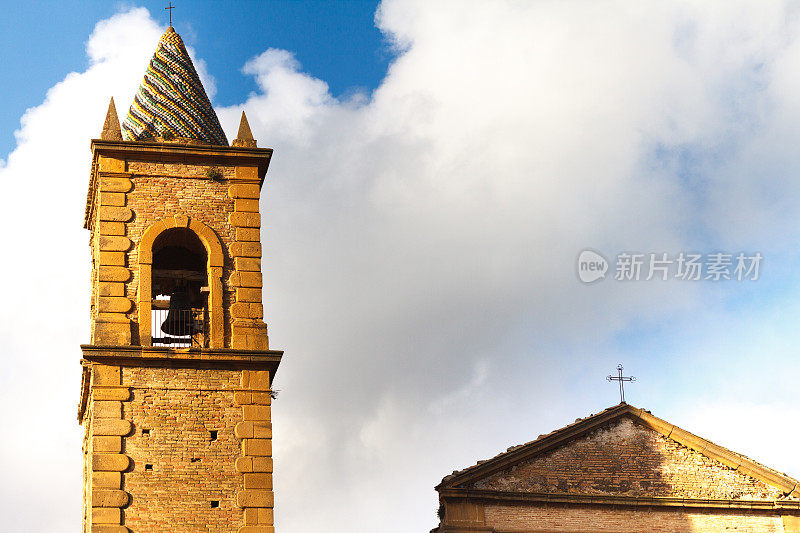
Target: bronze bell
[(179, 322)]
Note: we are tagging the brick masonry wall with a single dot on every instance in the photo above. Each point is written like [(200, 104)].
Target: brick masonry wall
[(157, 194), (557, 518), (180, 407), (629, 460)]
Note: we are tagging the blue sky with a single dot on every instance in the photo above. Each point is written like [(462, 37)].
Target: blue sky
[(335, 41), (437, 170)]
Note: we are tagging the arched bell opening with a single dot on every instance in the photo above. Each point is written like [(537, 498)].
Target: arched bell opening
[(179, 289)]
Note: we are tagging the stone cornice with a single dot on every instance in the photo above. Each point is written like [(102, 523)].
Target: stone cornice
[(184, 152), (609, 500), (180, 358), (268, 359)]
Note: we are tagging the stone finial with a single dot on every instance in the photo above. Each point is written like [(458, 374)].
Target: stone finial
[(111, 130), (245, 136)]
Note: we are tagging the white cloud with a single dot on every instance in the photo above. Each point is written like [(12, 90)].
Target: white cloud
[(420, 242), (45, 264)]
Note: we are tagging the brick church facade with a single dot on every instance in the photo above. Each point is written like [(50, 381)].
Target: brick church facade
[(176, 391), (620, 471)]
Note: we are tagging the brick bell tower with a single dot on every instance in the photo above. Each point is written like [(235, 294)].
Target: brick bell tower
[(176, 388)]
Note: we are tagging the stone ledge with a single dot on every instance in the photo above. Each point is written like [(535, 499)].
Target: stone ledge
[(266, 361), (583, 499)]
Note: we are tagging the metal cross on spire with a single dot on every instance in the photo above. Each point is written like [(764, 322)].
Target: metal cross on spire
[(170, 8), (622, 379)]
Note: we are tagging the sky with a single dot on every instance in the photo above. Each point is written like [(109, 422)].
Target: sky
[(439, 167)]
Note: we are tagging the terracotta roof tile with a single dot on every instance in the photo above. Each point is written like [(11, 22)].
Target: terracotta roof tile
[(171, 101)]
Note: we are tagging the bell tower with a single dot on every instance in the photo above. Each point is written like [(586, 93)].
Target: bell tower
[(176, 386)]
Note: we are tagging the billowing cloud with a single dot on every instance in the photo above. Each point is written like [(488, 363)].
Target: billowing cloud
[(420, 242)]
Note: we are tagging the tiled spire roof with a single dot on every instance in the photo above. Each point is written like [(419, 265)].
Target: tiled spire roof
[(171, 101)]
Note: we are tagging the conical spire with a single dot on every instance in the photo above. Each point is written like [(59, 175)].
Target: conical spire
[(171, 101), (245, 136), (111, 130)]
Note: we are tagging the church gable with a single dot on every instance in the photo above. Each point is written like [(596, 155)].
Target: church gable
[(626, 454), (623, 458)]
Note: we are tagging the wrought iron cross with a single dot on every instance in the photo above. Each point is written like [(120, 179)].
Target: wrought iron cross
[(170, 8), (622, 379)]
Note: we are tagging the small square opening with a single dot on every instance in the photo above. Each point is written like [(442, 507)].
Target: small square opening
[(148, 467), (214, 504), (146, 432), (194, 459), (213, 434)]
